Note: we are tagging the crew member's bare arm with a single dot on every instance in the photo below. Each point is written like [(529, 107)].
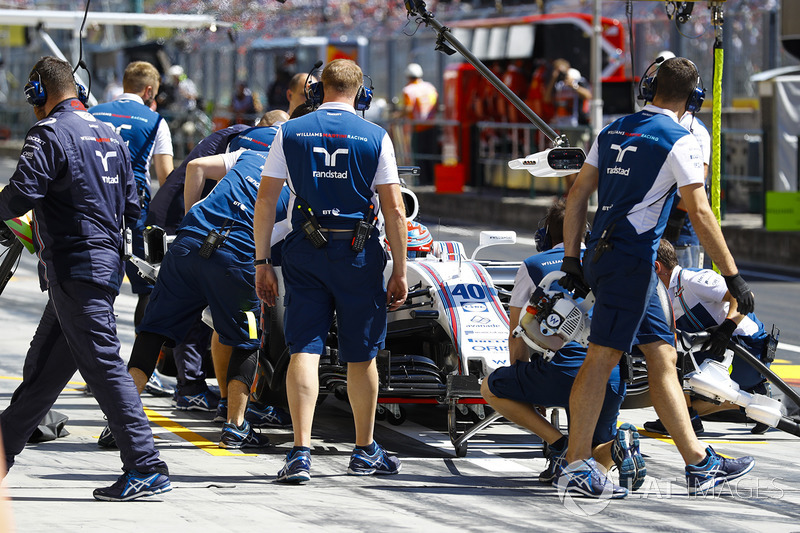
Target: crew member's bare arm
[(197, 172), (394, 214)]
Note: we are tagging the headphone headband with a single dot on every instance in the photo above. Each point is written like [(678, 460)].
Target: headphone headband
[(36, 95), (648, 84)]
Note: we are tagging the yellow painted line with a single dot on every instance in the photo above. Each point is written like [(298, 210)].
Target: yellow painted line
[(786, 371), (170, 425), (781, 362), (190, 436), (17, 378)]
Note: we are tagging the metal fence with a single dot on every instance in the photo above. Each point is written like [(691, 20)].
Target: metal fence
[(495, 144)]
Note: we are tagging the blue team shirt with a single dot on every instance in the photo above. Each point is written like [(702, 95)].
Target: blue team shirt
[(138, 125), (332, 158), (641, 159), (231, 205), (255, 138), (75, 173)]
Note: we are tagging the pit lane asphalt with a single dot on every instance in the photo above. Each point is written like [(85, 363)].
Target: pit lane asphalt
[(494, 487)]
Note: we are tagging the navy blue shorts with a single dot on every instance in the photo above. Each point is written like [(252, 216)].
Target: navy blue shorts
[(549, 385), (187, 283), (629, 309), (334, 278)]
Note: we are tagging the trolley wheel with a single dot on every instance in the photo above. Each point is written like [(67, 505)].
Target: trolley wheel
[(341, 393), (396, 419), (380, 413), (461, 449)]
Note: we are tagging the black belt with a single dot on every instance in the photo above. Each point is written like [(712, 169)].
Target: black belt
[(337, 235)]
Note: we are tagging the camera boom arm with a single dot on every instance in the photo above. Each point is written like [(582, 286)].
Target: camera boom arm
[(417, 8)]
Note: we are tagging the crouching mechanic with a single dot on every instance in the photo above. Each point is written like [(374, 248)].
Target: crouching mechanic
[(75, 174), (515, 391), (702, 301), (340, 169)]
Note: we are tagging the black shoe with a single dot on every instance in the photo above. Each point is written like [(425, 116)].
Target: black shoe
[(106, 439), (657, 427), (759, 429)]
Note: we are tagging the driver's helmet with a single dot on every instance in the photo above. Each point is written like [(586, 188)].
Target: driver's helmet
[(420, 239)]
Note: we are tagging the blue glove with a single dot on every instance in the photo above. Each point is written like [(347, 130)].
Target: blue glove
[(574, 280), (741, 291)]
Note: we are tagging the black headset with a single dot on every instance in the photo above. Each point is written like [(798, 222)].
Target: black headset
[(543, 239), (648, 83), (36, 95), (315, 92)]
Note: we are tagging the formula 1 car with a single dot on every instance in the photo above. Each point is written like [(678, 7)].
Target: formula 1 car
[(451, 332)]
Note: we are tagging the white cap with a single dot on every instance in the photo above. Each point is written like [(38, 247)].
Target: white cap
[(665, 54), (175, 70), (413, 70)]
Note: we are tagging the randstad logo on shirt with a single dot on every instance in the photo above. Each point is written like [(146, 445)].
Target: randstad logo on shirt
[(330, 174), (619, 170)]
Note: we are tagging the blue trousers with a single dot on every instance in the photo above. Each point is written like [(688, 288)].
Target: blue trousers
[(189, 359), (78, 332)]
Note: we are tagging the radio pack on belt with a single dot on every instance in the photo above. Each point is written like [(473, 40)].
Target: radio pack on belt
[(311, 227), (363, 230), (214, 240)]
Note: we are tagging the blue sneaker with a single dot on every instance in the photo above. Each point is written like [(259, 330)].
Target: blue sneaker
[(156, 387), (584, 477), (628, 458), (205, 401), (715, 470), (364, 464), (242, 437), (222, 411), (554, 464), (297, 468), (267, 416), (132, 485)]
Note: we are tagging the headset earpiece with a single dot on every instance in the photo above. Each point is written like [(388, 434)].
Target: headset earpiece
[(542, 237), (83, 95), (315, 94), (35, 93), (363, 96), (647, 89), (648, 81), (698, 94)]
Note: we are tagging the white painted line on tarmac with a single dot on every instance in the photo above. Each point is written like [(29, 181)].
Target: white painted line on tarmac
[(788, 347), (500, 465)]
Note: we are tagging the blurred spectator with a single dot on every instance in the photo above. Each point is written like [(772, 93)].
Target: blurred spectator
[(569, 93), (245, 105), (277, 97), (419, 103)]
